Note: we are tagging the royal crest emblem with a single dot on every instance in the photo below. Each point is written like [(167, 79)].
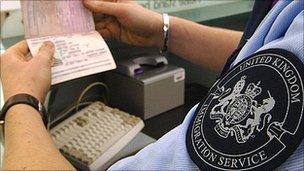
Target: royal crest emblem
[(253, 116), (236, 107)]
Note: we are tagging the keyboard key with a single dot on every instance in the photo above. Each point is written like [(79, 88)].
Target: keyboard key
[(89, 133)]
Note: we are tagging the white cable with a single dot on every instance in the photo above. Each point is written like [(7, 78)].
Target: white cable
[(65, 113), (78, 102), (91, 86)]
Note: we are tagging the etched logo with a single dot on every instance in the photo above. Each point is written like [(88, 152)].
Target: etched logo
[(234, 107), (252, 117)]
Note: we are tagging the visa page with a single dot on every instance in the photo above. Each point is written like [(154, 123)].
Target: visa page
[(80, 50)]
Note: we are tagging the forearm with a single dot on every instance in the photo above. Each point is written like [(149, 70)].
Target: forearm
[(207, 46), (28, 144)]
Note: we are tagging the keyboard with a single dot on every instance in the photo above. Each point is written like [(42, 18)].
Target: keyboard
[(92, 136)]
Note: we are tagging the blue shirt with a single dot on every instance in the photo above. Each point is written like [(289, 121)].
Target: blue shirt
[(281, 28)]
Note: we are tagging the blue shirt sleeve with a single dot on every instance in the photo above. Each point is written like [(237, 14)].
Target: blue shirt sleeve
[(168, 153)]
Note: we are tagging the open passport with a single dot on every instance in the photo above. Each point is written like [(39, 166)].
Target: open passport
[(80, 50)]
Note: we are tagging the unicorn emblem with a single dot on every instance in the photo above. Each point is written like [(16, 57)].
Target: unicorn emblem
[(239, 114)]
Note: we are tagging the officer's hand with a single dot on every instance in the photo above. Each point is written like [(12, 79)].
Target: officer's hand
[(21, 74), (127, 21)]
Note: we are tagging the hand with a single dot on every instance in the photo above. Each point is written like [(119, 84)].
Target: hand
[(21, 74), (127, 21)]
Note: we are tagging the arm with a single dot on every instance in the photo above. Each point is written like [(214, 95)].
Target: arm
[(28, 145), (207, 46), (131, 23)]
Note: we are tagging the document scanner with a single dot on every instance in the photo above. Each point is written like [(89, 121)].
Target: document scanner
[(146, 85)]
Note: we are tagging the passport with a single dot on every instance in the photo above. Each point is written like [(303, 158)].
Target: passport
[(79, 49)]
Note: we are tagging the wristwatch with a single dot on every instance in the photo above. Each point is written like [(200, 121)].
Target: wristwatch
[(22, 99)]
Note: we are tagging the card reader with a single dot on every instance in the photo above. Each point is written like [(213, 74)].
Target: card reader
[(135, 67)]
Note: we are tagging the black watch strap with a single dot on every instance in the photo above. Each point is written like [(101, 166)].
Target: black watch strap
[(24, 99)]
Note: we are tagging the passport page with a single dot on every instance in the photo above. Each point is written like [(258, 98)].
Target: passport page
[(77, 55), (53, 17), (80, 50)]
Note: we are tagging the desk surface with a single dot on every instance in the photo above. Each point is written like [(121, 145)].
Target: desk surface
[(194, 93)]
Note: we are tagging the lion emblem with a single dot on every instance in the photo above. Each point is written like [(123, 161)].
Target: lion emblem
[(239, 114)]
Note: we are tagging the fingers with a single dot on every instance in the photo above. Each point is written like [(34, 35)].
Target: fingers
[(45, 54), (105, 33), (105, 23), (109, 8), (18, 52), (109, 28), (21, 48), (98, 17)]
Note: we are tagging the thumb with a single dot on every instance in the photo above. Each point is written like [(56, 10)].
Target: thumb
[(45, 54), (109, 8)]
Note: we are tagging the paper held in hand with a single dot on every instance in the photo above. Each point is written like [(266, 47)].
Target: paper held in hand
[(80, 50)]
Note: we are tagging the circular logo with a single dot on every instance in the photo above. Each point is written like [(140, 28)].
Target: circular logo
[(252, 118)]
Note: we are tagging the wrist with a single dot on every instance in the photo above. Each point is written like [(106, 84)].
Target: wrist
[(161, 35), (158, 36), (30, 105), (39, 96), (166, 30), (20, 111)]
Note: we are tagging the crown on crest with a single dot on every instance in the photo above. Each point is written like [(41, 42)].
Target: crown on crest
[(253, 90)]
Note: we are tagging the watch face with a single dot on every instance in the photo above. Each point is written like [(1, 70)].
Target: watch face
[(252, 118)]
